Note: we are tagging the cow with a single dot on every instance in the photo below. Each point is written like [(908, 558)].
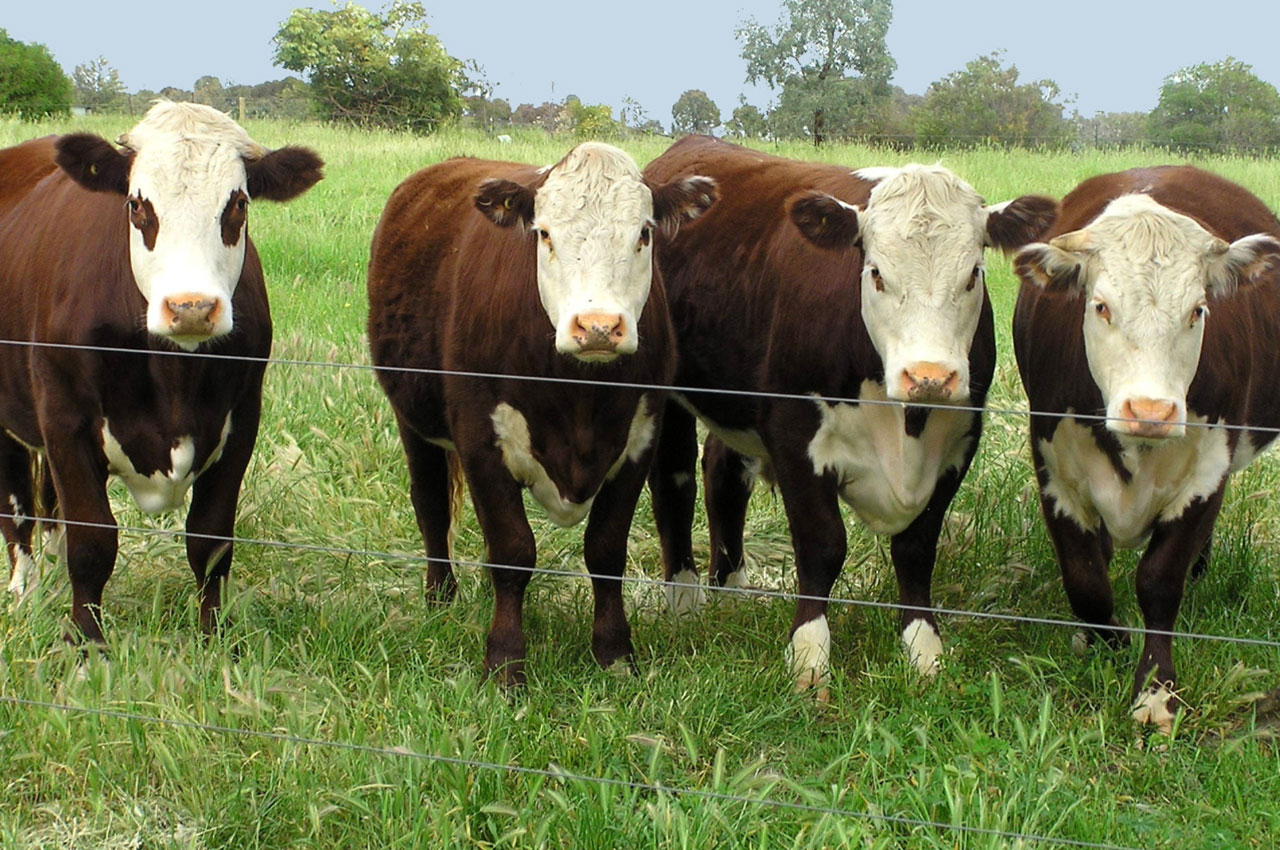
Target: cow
[(1145, 334), (119, 269), (863, 293), (483, 275)]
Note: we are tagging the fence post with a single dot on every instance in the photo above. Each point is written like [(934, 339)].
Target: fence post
[(241, 99)]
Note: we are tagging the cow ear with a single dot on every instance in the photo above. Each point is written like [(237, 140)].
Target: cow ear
[(1015, 223), (826, 221), (505, 202), (1056, 266), (94, 163), (683, 200), (283, 174), (1242, 262)]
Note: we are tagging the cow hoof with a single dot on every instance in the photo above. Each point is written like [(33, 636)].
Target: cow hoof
[(737, 578), (814, 682), (685, 593), (1156, 706), (25, 577), (1080, 644), (441, 592), (623, 668), (924, 647)]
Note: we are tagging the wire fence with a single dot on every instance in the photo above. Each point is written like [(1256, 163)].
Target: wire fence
[(554, 773)]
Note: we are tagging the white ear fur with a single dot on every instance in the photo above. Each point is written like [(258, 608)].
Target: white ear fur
[(1050, 265), (1242, 262)]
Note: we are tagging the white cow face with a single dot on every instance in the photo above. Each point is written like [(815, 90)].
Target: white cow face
[(1148, 275), (188, 174), (922, 235), (593, 217)]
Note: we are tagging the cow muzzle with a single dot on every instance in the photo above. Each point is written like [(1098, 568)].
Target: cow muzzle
[(190, 316), (1149, 418), (600, 336), (929, 383)]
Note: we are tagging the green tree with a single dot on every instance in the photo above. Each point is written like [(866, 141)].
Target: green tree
[(694, 112), (209, 91), (1223, 104), (366, 68), (828, 58), (97, 85), (32, 84), (587, 121), (985, 103), (747, 122)]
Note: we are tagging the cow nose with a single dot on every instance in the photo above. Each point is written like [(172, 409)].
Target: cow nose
[(929, 382), (598, 332), (1148, 417), (190, 315)]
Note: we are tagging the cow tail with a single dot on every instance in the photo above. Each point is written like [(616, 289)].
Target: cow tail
[(457, 493)]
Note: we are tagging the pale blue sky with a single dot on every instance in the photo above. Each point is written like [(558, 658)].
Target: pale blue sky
[(1111, 54)]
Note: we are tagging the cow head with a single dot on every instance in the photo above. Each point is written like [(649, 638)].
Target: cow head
[(186, 175), (1148, 275), (922, 235), (593, 217)]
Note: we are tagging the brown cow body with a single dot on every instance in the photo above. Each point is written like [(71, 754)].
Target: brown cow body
[(454, 285), (1122, 481), (164, 423), (758, 306)]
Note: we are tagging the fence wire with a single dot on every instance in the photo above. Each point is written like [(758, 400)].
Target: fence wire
[(562, 775)]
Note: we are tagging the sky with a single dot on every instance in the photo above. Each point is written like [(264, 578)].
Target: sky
[(1105, 55)]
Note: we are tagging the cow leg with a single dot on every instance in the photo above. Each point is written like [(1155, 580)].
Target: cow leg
[(605, 553), (435, 480), (211, 521), (54, 531), (17, 515), (673, 489), (509, 543), (80, 477), (727, 479), (818, 537), (1161, 579), (1201, 566), (914, 551)]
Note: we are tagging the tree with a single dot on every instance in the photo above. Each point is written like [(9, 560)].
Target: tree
[(694, 112), (1111, 129), (747, 122), (819, 48), (633, 116), (985, 103), (97, 85), (209, 91), (1219, 105), (32, 84), (365, 68)]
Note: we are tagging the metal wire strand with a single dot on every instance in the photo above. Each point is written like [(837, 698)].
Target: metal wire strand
[(561, 775), (645, 581)]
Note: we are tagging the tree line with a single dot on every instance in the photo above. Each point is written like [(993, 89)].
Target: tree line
[(825, 63)]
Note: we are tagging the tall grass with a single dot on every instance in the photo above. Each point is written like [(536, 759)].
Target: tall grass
[(1017, 734)]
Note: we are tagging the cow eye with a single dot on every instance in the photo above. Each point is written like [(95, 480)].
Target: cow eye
[(544, 236), (646, 234), (1103, 311), (876, 279), (135, 206), (1200, 312), (242, 203), (974, 278)]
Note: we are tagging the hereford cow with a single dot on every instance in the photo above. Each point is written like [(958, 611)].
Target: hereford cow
[(810, 279), (515, 271), (144, 252), (1154, 305)]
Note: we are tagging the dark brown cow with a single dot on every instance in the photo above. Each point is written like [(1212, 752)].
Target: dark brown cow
[(144, 250), (507, 269), (1154, 305), (811, 279)]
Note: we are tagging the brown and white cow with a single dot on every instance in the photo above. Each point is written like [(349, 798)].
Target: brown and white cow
[(811, 279), (143, 250), (1154, 304), (511, 270)]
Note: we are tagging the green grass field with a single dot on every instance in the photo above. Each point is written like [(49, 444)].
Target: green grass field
[(1017, 735)]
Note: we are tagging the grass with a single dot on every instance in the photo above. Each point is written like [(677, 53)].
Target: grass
[(1017, 734)]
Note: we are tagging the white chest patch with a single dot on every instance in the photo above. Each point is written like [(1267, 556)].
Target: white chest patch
[(1166, 478), (886, 476), (511, 436), (161, 490), (745, 442)]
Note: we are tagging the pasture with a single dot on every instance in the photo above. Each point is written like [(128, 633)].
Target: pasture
[(336, 687)]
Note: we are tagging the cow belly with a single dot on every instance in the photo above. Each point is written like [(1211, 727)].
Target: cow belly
[(511, 435), (1164, 478), (162, 490), (885, 475)]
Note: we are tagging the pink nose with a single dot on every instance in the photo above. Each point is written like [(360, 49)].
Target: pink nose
[(598, 332), (190, 315), (929, 382), (1148, 417)]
